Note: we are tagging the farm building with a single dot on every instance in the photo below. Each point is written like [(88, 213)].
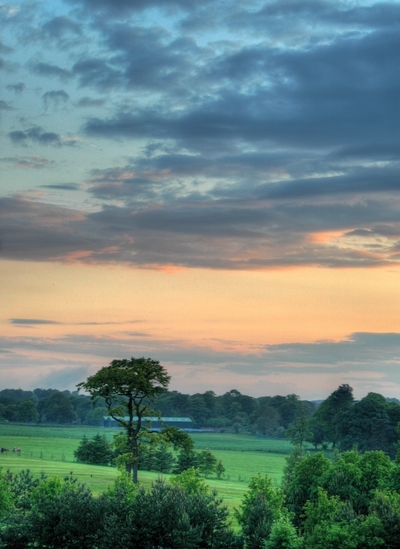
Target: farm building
[(183, 423)]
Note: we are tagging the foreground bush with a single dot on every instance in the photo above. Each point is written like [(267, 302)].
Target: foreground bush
[(60, 513)]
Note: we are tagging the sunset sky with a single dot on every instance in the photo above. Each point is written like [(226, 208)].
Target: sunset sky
[(211, 184)]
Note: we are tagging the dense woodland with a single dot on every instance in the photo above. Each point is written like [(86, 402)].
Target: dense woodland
[(338, 422)]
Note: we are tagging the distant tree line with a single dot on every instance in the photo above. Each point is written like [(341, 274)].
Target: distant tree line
[(268, 416), (49, 406), (340, 421)]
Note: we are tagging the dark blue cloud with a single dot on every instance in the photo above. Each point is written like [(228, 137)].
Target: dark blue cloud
[(61, 26), (62, 187), (55, 98), (49, 70), (358, 347), (5, 106), (17, 88), (251, 129), (90, 102), (122, 8), (36, 134), (31, 321)]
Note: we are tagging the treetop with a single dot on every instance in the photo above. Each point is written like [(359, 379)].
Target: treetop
[(136, 377)]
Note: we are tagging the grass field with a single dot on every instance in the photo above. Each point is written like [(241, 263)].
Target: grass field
[(51, 450)]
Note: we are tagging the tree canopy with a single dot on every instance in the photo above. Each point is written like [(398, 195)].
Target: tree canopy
[(129, 387)]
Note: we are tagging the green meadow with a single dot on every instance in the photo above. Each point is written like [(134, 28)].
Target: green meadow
[(51, 450)]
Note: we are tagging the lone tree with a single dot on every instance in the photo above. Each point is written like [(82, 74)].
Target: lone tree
[(129, 387)]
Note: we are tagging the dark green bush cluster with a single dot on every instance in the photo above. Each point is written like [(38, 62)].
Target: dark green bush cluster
[(60, 513), (95, 451)]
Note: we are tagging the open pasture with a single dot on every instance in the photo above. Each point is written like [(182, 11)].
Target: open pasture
[(241, 443)]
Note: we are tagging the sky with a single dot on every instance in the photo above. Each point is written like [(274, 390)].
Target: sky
[(214, 185)]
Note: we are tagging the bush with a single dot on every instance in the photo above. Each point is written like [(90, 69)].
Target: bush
[(96, 451)]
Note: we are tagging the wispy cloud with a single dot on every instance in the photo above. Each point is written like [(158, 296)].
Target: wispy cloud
[(31, 321)]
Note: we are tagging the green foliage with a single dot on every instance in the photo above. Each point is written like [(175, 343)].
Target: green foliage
[(375, 470), (300, 431), (323, 525), (62, 513), (302, 485), (5, 495), (179, 439), (163, 461), (170, 517), (117, 507), (96, 451), (27, 412), (190, 481), (185, 460), (386, 507), (128, 388), (343, 478), (283, 535), (261, 506), (371, 424), (329, 524), (219, 469), (57, 409), (329, 415), (206, 462), (21, 486)]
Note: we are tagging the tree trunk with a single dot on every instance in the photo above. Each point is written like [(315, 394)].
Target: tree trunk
[(135, 453)]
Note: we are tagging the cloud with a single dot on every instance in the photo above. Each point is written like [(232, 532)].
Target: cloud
[(238, 232), (64, 378), (270, 147), (328, 94), (49, 70), (17, 88), (98, 73), (40, 322), (62, 187), (291, 20), (361, 347), (5, 106), (27, 162), (90, 102), (4, 48), (37, 134), (31, 321), (122, 8), (368, 361), (61, 26), (55, 98)]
